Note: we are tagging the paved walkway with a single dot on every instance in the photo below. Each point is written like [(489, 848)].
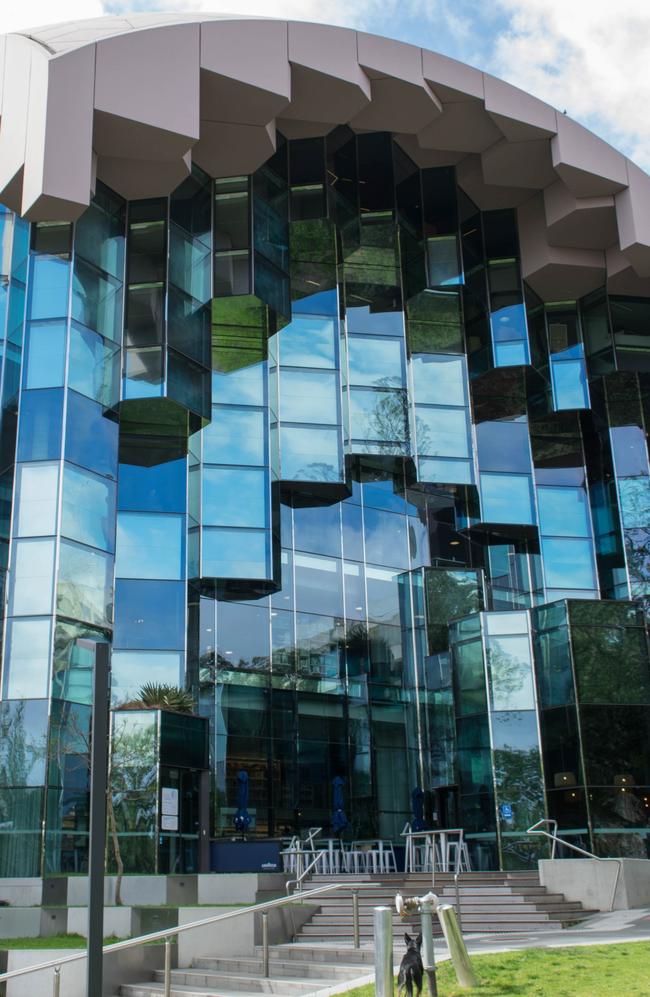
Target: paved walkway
[(601, 929)]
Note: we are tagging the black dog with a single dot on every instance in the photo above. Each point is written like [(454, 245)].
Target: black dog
[(411, 968)]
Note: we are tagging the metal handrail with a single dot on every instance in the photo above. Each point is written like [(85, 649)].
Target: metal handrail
[(167, 933), (298, 881), (567, 844)]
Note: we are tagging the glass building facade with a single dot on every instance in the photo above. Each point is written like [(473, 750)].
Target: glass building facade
[(305, 442)]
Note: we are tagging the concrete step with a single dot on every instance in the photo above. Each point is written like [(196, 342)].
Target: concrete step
[(302, 969), (304, 952), (204, 979), (178, 990)]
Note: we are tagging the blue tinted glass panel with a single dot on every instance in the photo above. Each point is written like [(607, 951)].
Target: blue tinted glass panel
[(507, 498), (318, 529), (321, 303), (378, 415), (439, 380), (570, 384), (235, 497), (149, 614), (310, 454), (48, 297), (446, 470), (130, 670), (40, 429), (630, 451), (93, 368), (246, 386), (376, 362), (88, 509), (319, 587), (235, 553), (568, 564), (511, 354), (27, 659), (91, 437), (375, 323), (308, 396), (386, 538), (509, 324), (442, 432), (503, 446), (149, 546), (563, 512), (159, 488), (45, 355), (309, 342), (235, 436)]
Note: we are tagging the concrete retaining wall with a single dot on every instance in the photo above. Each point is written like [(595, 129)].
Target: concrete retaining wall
[(592, 881)]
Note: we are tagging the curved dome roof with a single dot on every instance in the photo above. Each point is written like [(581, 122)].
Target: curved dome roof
[(134, 100)]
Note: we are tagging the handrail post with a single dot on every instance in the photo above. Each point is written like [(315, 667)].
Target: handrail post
[(265, 945), (355, 918), (383, 925), (56, 983), (168, 968)]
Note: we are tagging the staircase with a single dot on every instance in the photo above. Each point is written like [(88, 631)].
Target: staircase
[(489, 902), (322, 955), (295, 970)]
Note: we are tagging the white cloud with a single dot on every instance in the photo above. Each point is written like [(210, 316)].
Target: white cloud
[(590, 57), (36, 13)]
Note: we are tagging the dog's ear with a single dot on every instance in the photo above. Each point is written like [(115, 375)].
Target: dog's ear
[(408, 939), (418, 941)]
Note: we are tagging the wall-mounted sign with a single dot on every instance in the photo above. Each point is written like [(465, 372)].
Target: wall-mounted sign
[(169, 822), (169, 801)]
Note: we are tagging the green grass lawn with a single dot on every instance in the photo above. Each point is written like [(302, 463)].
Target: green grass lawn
[(592, 971), (53, 942)]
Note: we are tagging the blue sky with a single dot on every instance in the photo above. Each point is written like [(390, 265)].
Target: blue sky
[(588, 57)]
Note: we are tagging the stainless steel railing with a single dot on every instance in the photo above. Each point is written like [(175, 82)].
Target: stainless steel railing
[(534, 829), (167, 934)]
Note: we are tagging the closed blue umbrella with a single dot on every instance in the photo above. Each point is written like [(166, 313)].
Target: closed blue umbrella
[(242, 817), (418, 822), (339, 820)]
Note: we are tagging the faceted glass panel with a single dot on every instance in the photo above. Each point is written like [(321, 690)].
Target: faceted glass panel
[(235, 436), (45, 355), (308, 396), (233, 553), (88, 508), (568, 564), (91, 437), (235, 497), (85, 584), (563, 512), (507, 498), (36, 500), (149, 614), (27, 659), (149, 546), (510, 674), (32, 579)]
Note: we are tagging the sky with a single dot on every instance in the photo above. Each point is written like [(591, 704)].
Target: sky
[(590, 58)]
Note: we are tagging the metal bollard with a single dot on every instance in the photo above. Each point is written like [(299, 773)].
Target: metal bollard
[(265, 945), (456, 945), (428, 954), (168, 968), (460, 919), (383, 930), (355, 918), (56, 983)]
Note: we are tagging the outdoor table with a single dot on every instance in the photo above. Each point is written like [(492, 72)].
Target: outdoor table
[(442, 836)]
